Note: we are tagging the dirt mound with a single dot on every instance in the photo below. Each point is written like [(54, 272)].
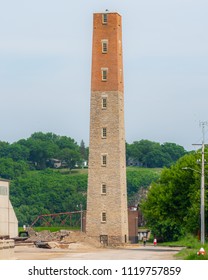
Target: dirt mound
[(64, 239), (81, 238)]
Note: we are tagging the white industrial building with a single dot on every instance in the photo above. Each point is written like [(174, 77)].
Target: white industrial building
[(8, 219)]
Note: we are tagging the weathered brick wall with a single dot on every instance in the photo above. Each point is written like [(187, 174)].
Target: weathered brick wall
[(113, 60), (133, 226)]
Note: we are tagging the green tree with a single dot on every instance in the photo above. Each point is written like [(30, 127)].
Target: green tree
[(152, 154), (43, 146), (9, 169), (18, 152), (172, 206), (70, 157), (83, 150), (41, 151), (67, 142), (3, 149), (174, 152), (49, 136)]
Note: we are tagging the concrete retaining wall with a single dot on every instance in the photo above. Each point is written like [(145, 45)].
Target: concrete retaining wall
[(7, 249), (8, 219)]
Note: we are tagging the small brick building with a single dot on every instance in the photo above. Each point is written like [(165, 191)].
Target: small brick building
[(133, 225)]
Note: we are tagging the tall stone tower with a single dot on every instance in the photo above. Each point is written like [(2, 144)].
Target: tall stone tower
[(107, 219)]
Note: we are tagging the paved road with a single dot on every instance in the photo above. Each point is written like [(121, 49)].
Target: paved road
[(135, 253), (141, 253)]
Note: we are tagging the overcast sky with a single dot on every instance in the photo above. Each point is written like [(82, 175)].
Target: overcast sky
[(45, 67)]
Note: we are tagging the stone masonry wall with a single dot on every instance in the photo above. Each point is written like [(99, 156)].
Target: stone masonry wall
[(114, 202)]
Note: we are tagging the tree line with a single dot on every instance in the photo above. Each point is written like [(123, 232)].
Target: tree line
[(152, 154), (41, 150)]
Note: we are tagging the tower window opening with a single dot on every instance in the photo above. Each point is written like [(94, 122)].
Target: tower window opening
[(103, 189), (104, 18), (104, 74), (104, 103), (104, 160), (104, 132), (103, 217), (104, 46)]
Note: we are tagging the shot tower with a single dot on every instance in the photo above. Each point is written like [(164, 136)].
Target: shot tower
[(107, 219)]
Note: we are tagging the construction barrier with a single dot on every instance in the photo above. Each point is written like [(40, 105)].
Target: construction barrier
[(201, 252)]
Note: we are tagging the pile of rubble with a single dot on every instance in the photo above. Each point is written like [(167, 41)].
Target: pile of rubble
[(46, 235), (64, 239)]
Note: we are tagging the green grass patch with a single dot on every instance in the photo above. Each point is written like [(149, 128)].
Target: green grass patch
[(196, 257), (191, 246), (136, 168), (52, 229)]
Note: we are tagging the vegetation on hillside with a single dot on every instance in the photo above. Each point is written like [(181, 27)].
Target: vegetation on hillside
[(37, 187), (53, 191), (137, 179), (43, 192)]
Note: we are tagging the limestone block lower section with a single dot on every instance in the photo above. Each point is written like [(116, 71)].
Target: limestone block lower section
[(110, 240), (7, 249)]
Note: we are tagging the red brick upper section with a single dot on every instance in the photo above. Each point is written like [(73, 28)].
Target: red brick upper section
[(112, 60)]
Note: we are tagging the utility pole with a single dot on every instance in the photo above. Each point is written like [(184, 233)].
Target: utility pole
[(202, 188), (202, 184), (81, 218)]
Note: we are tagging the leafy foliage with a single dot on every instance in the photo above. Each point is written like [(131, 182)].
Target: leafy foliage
[(9, 169), (151, 154), (44, 192), (36, 189), (40, 147), (52, 191), (172, 207), (140, 177)]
